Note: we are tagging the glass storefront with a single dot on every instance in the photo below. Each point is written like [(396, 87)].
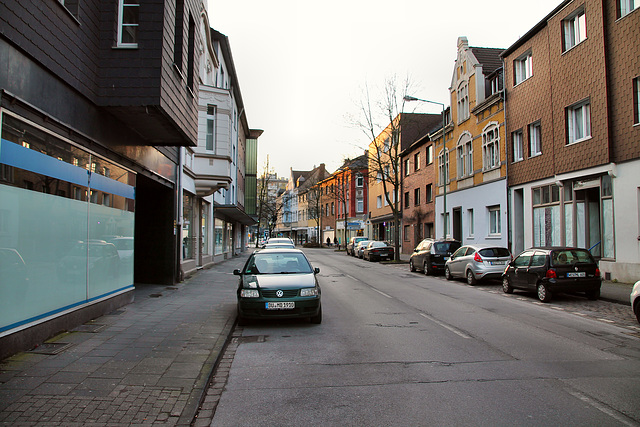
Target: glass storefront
[(188, 224), (66, 225)]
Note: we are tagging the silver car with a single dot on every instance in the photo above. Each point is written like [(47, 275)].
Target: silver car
[(477, 262), (359, 250)]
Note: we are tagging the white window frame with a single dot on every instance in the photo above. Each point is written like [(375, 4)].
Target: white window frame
[(471, 221), (491, 147), (535, 139), (359, 180), (578, 122), (430, 154), (494, 220), (465, 156), (463, 102), (627, 6), (406, 167), (516, 141), (443, 167), (211, 136), (574, 29), (379, 202), (523, 68), (122, 4)]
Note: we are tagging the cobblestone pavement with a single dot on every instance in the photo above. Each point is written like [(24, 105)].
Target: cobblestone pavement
[(148, 363)]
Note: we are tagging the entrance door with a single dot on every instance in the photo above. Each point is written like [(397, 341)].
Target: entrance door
[(457, 224), (588, 220)]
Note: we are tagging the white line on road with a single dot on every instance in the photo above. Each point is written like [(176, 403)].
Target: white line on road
[(444, 325), (382, 293), (602, 408)]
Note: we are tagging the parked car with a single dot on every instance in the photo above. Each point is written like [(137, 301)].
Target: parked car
[(377, 250), (477, 262), (552, 270), (359, 250), (280, 240), (351, 246), (277, 284), (430, 255), (279, 245), (635, 299)]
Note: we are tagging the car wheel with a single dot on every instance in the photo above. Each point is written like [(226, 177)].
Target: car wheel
[(411, 266), (427, 269), (543, 293), (447, 273), (593, 295), (506, 286), (636, 310), (317, 319), (242, 321), (471, 279)]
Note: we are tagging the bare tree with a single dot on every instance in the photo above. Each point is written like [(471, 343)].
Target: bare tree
[(384, 149), (268, 208)]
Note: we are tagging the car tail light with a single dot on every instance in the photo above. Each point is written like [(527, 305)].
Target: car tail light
[(551, 274), (597, 272), (477, 257)]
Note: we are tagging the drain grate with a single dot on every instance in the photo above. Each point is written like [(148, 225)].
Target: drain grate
[(249, 339), (50, 348), (92, 328), (115, 313)]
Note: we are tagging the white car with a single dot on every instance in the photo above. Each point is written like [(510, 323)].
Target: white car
[(635, 299)]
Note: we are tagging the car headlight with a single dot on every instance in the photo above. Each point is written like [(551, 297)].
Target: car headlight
[(249, 293), (309, 292)]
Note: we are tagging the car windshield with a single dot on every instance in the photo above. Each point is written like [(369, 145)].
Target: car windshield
[(571, 256), (495, 252), (278, 263), (444, 247)]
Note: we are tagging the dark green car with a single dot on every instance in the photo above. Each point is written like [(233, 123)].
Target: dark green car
[(278, 284)]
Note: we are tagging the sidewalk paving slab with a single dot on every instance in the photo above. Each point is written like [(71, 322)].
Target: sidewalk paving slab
[(148, 363)]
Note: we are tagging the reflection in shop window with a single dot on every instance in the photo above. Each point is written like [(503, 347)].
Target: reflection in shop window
[(187, 227), (219, 236)]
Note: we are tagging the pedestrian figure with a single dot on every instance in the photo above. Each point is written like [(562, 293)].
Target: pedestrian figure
[(328, 241), (335, 242)]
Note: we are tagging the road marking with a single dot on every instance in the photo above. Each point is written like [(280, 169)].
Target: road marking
[(382, 293), (602, 408), (444, 325)]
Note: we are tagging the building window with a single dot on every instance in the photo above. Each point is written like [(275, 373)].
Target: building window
[(333, 208), (430, 154), (359, 180), (406, 167), (416, 161), (626, 6), (471, 222), (546, 215), (443, 168), (191, 52), (359, 205), (516, 140), (535, 143), (211, 128), (523, 68), (179, 35), (379, 202), (636, 100), (494, 220), (416, 196), (574, 29), (406, 200), (429, 193), (465, 156), (128, 12), (71, 6), (491, 148), (578, 122), (463, 103)]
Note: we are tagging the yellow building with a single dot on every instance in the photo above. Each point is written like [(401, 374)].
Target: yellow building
[(474, 162)]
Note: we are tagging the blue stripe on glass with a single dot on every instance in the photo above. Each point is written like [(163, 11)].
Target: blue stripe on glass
[(24, 158)]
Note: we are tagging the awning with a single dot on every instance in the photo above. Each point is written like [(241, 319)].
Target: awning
[(233, 213)]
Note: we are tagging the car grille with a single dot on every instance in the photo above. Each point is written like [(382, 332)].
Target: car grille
[(288, 293)]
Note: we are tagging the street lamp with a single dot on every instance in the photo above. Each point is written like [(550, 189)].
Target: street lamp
[(446, 169)]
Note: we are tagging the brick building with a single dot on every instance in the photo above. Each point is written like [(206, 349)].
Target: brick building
[(574, 137)]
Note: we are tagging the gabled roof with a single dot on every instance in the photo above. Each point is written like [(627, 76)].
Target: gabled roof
[(414, 126), (489, 57)]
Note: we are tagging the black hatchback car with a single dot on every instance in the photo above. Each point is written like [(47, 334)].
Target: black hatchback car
[(552, 270), (430, 255)]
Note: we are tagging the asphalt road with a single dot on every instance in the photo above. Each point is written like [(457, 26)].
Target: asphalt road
[(399, 348)]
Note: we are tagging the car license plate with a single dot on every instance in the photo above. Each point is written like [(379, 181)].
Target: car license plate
[(286, 305), (578, 274), (497, 262)]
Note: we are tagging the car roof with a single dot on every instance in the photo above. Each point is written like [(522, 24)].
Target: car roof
[(286, 250)]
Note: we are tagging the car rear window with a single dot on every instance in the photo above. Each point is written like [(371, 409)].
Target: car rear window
[(444, 247), (495, 252), (571, 256)]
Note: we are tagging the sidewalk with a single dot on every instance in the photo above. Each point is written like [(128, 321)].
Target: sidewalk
[(146, 363)]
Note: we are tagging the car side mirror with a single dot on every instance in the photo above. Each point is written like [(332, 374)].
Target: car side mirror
[(316, 270), (236, 272)]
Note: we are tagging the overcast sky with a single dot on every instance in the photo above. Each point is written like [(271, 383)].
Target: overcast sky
[(303, 65)]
